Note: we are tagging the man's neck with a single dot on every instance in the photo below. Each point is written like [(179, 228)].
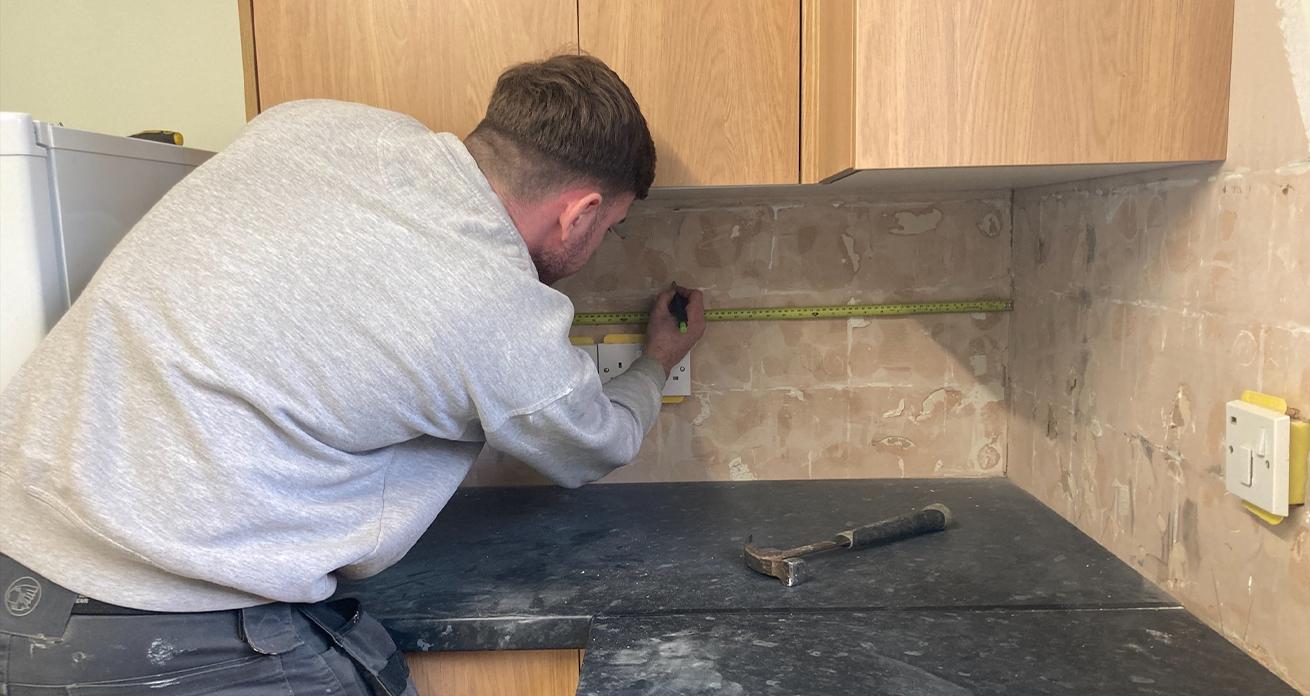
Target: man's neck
[(529, 221)]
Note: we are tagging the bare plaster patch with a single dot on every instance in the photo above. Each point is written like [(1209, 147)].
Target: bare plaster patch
[(911, 223), (894, 442), (849, 242), (1295, 26), (738, 471)]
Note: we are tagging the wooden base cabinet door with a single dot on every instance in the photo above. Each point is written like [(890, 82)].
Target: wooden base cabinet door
[(718, 81), (496, 673), (436, 61)]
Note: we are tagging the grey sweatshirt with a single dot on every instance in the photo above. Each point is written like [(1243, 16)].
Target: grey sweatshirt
[(282, 373)]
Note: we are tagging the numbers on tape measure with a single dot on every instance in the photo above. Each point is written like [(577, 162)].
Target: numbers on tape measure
[(823, 312)]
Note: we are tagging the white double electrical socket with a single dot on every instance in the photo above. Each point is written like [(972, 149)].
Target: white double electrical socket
[(679, 383), (616, 358), (1256, 448), (590, 350), (613, 359)]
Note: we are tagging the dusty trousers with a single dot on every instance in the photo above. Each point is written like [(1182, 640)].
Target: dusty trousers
[(273, 649)]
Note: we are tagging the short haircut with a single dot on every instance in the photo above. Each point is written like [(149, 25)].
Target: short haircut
[(563, 121)]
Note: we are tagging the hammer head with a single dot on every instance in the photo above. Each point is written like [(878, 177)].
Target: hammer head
[(791, 571)]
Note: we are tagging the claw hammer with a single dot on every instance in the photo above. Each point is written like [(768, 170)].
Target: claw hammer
[(788, 566)]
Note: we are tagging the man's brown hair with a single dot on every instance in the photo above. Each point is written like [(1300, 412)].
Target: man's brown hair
[(562, 121)]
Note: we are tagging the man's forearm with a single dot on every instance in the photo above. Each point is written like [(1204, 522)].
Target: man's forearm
[(639, 389), (586, 434)]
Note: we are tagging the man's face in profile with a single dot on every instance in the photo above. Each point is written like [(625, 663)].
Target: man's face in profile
[(574, 252)]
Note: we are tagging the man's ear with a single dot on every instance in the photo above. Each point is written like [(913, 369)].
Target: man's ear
[(577, 214)]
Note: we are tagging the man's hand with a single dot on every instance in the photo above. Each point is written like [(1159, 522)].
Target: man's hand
[(665, 341)]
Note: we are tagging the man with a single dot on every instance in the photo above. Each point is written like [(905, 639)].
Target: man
[(282, 373)]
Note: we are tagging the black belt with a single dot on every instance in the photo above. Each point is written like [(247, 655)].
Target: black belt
[(36, 585), (94, 607)]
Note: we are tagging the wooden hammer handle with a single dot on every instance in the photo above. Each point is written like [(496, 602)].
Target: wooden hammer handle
[(933, 518)]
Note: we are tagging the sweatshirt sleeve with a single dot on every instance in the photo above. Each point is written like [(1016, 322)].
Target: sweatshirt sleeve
[(590, 431)]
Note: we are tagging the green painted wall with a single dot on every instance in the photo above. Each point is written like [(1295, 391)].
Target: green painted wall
[(122, 66)]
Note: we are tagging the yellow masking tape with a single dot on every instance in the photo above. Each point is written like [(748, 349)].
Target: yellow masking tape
[(1300, 453), (1262, 513), (1273, 403)]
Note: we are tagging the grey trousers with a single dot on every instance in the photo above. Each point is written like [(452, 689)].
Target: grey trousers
[(272, 649)]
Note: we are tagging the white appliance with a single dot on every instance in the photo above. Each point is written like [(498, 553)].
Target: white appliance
[(66, 198)]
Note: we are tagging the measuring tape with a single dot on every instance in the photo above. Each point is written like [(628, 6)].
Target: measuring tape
[(817, 312)]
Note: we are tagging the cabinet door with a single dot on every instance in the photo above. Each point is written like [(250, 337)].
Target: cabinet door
[(496, 673), (436, 61), (949, 83), (921, 84), (718, 81)]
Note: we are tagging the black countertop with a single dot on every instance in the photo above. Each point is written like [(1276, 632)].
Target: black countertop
[(920, 653), (646, 572)]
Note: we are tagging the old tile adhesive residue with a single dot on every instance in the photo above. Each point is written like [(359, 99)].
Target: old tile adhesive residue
[(1143, 305), (881, 397)]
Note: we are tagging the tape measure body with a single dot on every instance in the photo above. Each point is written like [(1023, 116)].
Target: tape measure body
[(816, 312)]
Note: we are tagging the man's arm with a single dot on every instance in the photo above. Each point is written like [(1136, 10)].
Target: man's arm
[(591, 431)]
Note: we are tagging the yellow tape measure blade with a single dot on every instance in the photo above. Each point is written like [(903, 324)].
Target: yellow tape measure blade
[(816, 312)]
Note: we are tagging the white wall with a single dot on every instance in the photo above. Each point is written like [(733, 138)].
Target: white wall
[(122, 66)]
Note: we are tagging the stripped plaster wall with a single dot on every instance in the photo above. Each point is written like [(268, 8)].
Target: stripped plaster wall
[(1143, 304), (897, 397)]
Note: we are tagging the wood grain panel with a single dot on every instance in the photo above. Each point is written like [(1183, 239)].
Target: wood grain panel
[(437, 61), (1000, 82), (245, 20), (498, 673), (827, 89), (719, 83)]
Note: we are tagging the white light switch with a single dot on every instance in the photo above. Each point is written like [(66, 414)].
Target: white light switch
[(1256, 447)]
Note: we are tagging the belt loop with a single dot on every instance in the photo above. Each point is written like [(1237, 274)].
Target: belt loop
[(365, 641), (268, 630)]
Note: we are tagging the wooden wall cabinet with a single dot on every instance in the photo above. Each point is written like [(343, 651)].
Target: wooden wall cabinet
[(718, 81), (905, 84), (436, 61), (741, 92)]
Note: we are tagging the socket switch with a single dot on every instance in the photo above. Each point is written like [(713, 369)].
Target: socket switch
[(1256, 449), (613, 359)]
